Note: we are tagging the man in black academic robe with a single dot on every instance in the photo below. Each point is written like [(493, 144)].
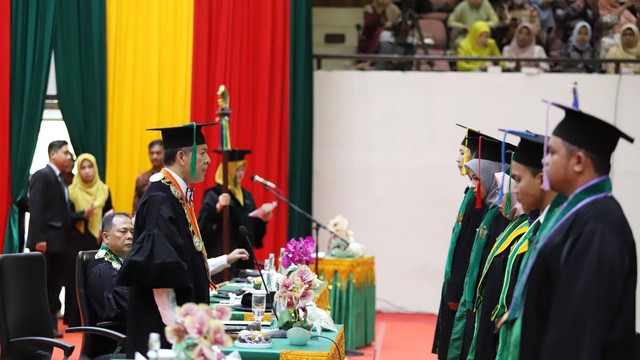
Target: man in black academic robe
[(167, 265), (580, 295)]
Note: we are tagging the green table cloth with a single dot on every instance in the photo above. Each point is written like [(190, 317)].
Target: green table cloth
[(352, 293)]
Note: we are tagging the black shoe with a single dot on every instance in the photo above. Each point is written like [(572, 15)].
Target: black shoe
[(57, 333)]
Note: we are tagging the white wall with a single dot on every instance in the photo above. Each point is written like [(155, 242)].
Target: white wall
[(385, 146)]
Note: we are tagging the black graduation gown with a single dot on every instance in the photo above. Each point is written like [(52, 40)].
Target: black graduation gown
[(448, 304), (498, 225), (210, 223), (107, 301), (486, 340), (580, 300), (163, 256)]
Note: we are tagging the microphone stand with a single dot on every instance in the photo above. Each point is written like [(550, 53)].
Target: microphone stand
[(317, 225)]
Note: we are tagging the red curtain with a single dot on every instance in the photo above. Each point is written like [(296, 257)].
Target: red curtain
[(244, 44), (5, 76)]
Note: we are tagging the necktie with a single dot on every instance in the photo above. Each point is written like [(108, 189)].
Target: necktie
[(64, 187)]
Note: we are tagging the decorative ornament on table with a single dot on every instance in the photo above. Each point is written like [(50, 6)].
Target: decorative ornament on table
[(296, 291), (337, 247), (198, 331), (298, 252)]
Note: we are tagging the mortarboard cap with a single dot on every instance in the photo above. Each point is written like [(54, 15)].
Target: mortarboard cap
[(235, 154), (175, 137), (472, 137), (588, 132), (491, 149), (530, 150)]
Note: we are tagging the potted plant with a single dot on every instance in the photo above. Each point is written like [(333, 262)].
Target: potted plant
[(198, 331), (296, 290)]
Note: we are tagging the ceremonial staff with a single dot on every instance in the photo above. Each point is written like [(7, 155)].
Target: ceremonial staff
[(225, 144)]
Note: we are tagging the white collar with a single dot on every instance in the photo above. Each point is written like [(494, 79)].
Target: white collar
[(182, 183), (54, 169), (544, 214)]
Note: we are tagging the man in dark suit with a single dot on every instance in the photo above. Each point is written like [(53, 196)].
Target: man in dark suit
[(50, 224)]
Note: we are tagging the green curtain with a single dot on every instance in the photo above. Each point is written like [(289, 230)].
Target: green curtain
[(301, 117), (31, 39), (80, 51)]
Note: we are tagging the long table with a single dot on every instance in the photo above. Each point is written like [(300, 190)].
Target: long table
[(352, 293)]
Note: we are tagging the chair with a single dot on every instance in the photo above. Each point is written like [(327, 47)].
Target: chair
[(101, 343), (26, 331), (436, 30)]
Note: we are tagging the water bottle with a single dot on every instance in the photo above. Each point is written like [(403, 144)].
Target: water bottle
[(281, 268), (267, 274), (153, 345)]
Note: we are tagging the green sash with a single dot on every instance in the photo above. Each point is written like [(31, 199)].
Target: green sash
[(454, 238), (594, 189), (515, 228), (470, 280)]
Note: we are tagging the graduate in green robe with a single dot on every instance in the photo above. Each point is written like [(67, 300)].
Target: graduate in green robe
[(462, 235), (481, 172), (580, 278)]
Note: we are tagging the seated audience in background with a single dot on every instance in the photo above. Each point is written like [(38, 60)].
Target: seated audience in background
[(467, 13), (478, 42), (628, 47), (379, 15), (613, 16), (579, 47), (156, 157), (108, 300), (568, 14), (513, 13), (547, 20), (523, 45)]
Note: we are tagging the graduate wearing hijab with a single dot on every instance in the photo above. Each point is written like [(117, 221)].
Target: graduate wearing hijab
[(579, 47), (492, 276), (478, 42), (481, 172), (241, 204), (523, 45), (462, 236), (628, 47)]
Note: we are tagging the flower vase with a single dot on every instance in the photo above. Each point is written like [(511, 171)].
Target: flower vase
[(298, 336)]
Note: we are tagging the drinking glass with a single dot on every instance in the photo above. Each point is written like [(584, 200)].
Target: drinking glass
[(258, 304)]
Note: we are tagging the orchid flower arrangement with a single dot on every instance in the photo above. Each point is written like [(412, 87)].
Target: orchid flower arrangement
[(299, 252), (198, 328), (296, 290)]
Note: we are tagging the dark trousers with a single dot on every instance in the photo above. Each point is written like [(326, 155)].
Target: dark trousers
[(61, 272)]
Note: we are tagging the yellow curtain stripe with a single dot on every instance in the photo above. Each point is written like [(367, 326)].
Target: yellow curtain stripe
[(149, 60)]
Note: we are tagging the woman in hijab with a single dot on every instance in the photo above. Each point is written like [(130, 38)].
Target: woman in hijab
[(242, 211), (481, 172), (628, 47), (493, 271), (613, 17), (91, 197), (478, 42), (523, 45), (579, 48), (87, 191)]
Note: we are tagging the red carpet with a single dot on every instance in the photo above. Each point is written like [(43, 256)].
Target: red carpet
[(398, 336)]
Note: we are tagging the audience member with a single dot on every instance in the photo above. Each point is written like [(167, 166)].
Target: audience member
[(523, 45), (628, 47), (478, 42), (579, 47), (465, 15), (613, 17), (569, 13), (156, 156), (512, 14), (378, 16), (547, 20)]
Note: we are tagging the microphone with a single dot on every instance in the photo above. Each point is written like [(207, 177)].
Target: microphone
[(264, 182), (245, 234)]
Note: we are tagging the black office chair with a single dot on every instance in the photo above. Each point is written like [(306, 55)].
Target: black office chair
[(26, 331), (110, 339)]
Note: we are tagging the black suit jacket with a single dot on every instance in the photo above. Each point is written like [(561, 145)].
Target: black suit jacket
[(50, 213)]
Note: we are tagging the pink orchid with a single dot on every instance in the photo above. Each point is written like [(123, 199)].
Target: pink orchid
[(175, 333)]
